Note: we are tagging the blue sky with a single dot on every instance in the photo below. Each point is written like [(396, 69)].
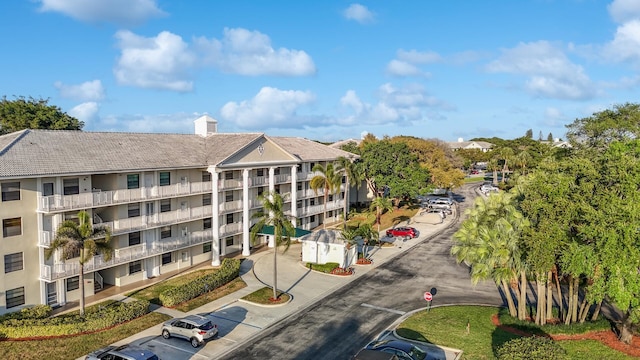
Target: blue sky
[(325, 70)]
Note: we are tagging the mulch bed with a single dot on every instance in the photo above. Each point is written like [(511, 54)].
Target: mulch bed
[(607, 337), (364, 261), (342, 271)]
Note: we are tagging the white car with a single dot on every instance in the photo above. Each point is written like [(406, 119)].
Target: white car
[(194, 328)]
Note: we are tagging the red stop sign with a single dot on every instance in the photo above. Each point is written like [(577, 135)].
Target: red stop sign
[(428, 296)]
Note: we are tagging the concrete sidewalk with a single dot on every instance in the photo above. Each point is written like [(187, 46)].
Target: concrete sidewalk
[(239, 321)]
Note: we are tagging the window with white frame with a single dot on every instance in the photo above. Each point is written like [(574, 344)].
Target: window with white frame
[(228, 175), (133, 181), (13, 262), (47, 189), (228, 196), (71, 186), (206, 176), (14, 297), (133, 210), (166, 258), (135, 267), (73, 283), (165, 178), (11, 227), (229, 218), (165, 205), (206, 247), (229, 241), (206, 223), (206, 199), (165, 232), (134, 238), (10, 191)]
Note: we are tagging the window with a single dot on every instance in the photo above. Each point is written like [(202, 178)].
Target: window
[(276, 171), (166, 258), (133, 181), (73, 283), (312, 218), (15, 297), (71, 186), (312, 202), (184, 180), (133, 210), (13, 262), (228, 197), (229, 218), (229, 241), (299, 204), (47, 189), (165, 232), (299, 167), (206, 199), (228, 175), (134, 238), (165, 205), (260, 190), (260, 172), (277, 189), (206, 223), (11, 191), (311, 166), (206, 247), (135, 267), (11, 227), (330, 197), (206, 176), (165, 178), (299, 186)]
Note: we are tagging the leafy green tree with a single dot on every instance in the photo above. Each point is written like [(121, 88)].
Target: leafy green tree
[(529, 134), (354, 176), (272, 214), (369, 236), (29, 113), (550, 138), (599, 130), (328, 180), (81, 240), (391, 166)]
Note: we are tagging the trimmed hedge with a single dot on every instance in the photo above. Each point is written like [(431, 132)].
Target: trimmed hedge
[(531, 348), (31, 323), (229, 270)]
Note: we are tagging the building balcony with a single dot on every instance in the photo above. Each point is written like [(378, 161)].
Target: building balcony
[(318, 209), (123, 226), (125, 255), (259, 181), (230, 229), (99, 198), (229, 184), (230, 206), (283, 178)]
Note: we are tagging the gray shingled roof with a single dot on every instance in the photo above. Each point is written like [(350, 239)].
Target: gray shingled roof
[(308, 150), (35, 153)]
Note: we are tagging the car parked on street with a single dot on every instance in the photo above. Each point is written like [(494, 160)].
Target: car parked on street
[(444, 207), (123, 352), (195, 328), (441, 212), (402, 349), (403, 232)]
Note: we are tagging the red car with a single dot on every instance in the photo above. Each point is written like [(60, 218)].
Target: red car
[(404, 232)]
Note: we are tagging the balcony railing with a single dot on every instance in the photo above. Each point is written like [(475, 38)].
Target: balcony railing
[(283, 178), (121, 196), (230, 206), (125, 255), (230, 229), (229, 184), (317, 209), (259, 181)]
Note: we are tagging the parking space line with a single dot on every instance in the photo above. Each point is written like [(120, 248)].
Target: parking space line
[(383, 309), (235, 321), (179, 348)]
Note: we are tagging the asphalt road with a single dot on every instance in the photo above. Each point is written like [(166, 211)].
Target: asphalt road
[(337, 326)]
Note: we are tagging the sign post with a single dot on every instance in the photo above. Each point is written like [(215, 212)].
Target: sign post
[(428, 297)]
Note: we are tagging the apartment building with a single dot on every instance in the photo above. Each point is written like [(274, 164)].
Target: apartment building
[(172, 201)]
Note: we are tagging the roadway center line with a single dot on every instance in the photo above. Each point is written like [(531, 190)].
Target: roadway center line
[(383, 309)]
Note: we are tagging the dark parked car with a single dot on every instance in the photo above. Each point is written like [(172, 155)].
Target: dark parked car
[(403, 232), (124, 352), (402, 349)]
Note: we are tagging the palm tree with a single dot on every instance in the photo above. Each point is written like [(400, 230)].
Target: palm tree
[(353, 174), (522, 159), (328, 180), (380, 204), (506, 154), (368, 234), (350, 237), (493, 166), (84, 239), (272, 214)]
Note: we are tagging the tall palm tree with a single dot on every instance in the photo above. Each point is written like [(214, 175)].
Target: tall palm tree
[(492, 165), (368, 234), (380, 204), (84, 239), (354, 176), (522, 159), (329, 181), (506, 155), (272, 214)]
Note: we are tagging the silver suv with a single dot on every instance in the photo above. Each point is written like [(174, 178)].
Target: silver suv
[(124, 352), (194, 328)]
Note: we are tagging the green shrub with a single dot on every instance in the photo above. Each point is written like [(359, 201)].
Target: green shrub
[(70, 324), (229, 270), (531, 348), (325, 268)]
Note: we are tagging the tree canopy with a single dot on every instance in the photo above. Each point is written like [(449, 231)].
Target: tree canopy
[(30, 113)]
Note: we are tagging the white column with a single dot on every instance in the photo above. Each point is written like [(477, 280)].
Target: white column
[(294, 194), (245, 214), (215, 221), (272, 187)]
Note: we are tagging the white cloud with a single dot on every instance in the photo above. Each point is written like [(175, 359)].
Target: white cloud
[(419, 57), (358, 13), (624, 10), (402, 68), (87, 91), (394, 105), (406, 63), (87, 112), (270, 108), (122, 12), (178, 123), (550, 73), (161, 62), (625, 45), (247, 52)]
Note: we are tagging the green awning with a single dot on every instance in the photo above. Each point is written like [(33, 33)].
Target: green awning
[(268, 230)]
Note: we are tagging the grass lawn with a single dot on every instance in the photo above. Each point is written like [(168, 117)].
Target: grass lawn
[(76, 346), (265, 295), (447, 326), (389, 218)]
